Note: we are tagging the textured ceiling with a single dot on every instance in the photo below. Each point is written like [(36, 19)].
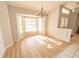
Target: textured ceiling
[(37, 5)]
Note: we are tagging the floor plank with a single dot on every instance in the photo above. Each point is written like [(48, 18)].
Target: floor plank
[(35, 47)]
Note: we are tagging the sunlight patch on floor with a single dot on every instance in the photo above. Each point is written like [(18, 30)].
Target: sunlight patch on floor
[(49, 46), (43, 43), (44, 40)]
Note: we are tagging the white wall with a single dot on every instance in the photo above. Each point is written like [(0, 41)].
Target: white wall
[(1, 43), (13, 19), (53, 22), (5, 31), (52, 28)]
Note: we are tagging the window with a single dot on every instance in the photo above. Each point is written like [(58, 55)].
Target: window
[(66, 11), (30, 24), (20, 24), (64, 22), (64, 16)]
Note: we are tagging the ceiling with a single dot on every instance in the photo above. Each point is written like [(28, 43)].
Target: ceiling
[(37, 5)]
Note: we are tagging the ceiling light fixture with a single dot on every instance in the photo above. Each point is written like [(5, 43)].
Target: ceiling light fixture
[(42, 12)]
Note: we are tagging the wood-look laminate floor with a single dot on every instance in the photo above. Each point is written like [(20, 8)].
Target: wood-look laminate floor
[(35, 47), (72, 51)]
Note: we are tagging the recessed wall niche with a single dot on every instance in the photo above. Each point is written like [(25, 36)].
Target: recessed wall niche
[(64, 16)]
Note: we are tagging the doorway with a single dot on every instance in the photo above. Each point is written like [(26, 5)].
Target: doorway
[(77, 24)]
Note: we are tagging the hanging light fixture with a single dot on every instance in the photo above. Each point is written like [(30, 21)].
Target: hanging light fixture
[(42, 12)]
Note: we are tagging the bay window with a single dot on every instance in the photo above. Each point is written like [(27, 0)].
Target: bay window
[(30, 24)]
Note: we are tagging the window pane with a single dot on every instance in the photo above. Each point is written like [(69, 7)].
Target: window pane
[(20, 24), (20, 27), (66, 22), (65, 11), (20, 20), (21, 31), (62, 22), (30, 25)]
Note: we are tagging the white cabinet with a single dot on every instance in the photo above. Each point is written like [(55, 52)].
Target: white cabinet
[(64, 34)]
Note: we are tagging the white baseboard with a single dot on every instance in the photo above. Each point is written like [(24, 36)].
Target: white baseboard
[(5, 49)]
